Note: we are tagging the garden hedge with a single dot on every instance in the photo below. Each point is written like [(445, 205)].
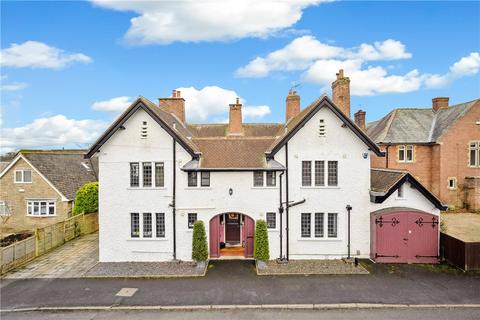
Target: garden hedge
[(86, 199), (199, 242), (260, 247)]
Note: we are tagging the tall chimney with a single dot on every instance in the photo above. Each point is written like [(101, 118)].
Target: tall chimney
[(235, 118), (439, 103), (360, 119), (174, 104), (293, 105), (341, 93)]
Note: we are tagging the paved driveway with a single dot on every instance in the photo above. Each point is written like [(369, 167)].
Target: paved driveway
[(71, 260)]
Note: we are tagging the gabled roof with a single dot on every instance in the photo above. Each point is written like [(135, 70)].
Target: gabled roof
[(64, 170), (415, 125), (383, 182), (297, 122), (166, 120)]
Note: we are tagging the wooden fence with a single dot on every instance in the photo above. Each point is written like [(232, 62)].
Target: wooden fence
[(465, 255), (46, 239)]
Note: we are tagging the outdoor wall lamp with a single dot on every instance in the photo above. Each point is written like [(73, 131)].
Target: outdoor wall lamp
[(230, 191)]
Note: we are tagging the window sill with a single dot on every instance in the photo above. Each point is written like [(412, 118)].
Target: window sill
[(321, 239), (23, 182), (273, 230), (147, 188), (264, 187), (401, 199), (147, 239), (320, 187), (45, 216), (198, 188)]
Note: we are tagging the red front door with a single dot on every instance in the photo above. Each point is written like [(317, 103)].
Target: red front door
[(248, 234), (215, 237)]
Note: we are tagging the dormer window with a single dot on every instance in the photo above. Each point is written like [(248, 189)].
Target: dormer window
[(143, 133), (321, 129)]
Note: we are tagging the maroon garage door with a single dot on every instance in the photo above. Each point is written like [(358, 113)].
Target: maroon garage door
[(405, 237)]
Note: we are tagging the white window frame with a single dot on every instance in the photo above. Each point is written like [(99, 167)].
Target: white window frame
[(190, 227), (274, 220), (140, 165), (30, 204), (264, 179), (141, 235), (313, 174), (476, 150), (455, 184), (405, 148), (23, 176), (325, 236)]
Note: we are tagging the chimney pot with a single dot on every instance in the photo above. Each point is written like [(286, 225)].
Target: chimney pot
[(341, 93), (360, 119), (439, 103)]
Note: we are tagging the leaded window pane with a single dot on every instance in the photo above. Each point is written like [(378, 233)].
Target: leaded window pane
[(159, 174), (332, 225), (271, 220), (306, 173), (160, 225), (134, 174), (135, 225), (319, 173), (147, 174), (306, 225), (192, 179), (205, 179), (192, 217), (319, 225), (271, 178), (332, 173), (258, 178), (147, 225)]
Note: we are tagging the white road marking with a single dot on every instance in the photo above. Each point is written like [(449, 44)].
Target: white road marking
[(126, 292)]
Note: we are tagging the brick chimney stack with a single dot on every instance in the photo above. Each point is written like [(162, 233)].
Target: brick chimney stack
[(341, 93), (439, 103), (360, 119), (293, 105), (174, 104), (235, 118)]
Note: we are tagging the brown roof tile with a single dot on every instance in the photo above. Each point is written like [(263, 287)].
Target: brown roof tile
[(382, 180)]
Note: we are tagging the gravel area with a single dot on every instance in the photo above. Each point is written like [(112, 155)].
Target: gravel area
[(145, 270), (307, 267)]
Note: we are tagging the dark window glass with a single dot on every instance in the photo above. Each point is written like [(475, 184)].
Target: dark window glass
[(319, 173), (147, 174), (258, 178), (205, 179), (306, 225), (332, 173), (306, 173), (271, 220), (160, 225), (409, 153), (147, 225), (159, 174), (134, 174), (332, 225), (192, 179), (271, 178), (135, 225), (192, 217), (473, 156), (319, 225), (401, 153)]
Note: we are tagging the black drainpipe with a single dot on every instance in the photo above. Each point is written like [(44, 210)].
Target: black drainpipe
[(174, 198), (386, 156), (280, 210), (286, 196), (349, 208)]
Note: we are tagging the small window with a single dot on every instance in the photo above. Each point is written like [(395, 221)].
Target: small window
[(160, 225), (319, 173), (321, 128), (401, 153), (474, 154), (319, 225), (143, 132), (192, 217), (332, 173), (23, 176), (258, 178), (410, 153), (159, 174), (192, 179), (147, 174), (306, 225), (452, 183), (41, 208), (134, 174), (271, 178), (205, 179), (306, 173), (147, 225), (400, 191), (271, 220), (332, 225), (406, 153), (135, 225)]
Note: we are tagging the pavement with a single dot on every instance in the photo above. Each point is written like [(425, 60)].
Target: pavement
[(236, 283), (70, 260), (463, 226), (371, 314)]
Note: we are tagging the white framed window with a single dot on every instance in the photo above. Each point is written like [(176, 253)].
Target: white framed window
[(41, 208), (271, 178), (405, 153), (306, 173), (474, 154), (192, 179), (159, 174), (258, 178), (152, 174), (271, 220), (332, 225), (320, 226), (142, 225), (306, 225), (320, 175), (147, 174), (23, 176), (452, 183), (264, 178), (319, 222), (192, 217), (134, 174), (205, 179)]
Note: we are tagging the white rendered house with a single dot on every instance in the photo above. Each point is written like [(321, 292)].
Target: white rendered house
[(309, 178)]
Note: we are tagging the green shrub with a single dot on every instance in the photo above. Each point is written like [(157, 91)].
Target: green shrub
[(260, 246), (199, 242), (86, 199)]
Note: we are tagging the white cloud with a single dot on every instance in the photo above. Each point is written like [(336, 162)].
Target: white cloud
[(213, 101), (164, 22), (36, 54), (52, 131), (15, 86), (319, 63), (117, 104)]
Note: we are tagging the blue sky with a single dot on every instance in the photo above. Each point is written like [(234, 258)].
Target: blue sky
[(65, 64)]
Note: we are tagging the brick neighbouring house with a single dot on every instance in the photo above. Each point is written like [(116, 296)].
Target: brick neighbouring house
[(37, 187), (440, 146)]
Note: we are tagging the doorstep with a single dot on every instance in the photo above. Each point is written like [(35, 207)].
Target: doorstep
[(310, 267)]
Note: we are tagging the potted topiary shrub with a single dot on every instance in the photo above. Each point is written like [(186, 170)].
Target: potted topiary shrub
[(86, 199), (199, 244), (260, 246)]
